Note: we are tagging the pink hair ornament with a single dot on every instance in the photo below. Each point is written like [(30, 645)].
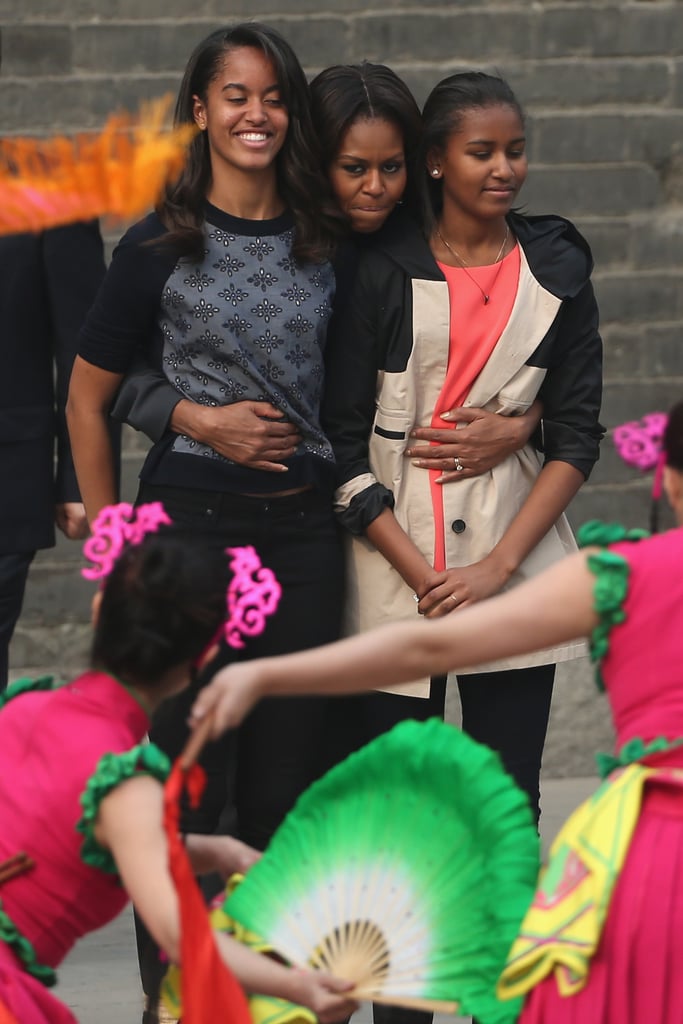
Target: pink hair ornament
[(253, 594), (640, 443), (114, 528)]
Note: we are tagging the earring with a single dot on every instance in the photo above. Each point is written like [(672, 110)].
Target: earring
[(435, 172)]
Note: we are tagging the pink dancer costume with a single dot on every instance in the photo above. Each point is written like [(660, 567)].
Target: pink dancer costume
[(61, 751), (636, 974)]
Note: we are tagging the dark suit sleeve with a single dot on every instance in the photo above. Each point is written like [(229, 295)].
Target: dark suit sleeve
[(73, 258)]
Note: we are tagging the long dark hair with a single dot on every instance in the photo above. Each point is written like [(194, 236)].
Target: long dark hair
[(442, 117), (161, 605), (301, 183), (343, 94), (673, 438)]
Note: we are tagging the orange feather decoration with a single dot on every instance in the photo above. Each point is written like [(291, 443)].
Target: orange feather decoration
[(118, 173)]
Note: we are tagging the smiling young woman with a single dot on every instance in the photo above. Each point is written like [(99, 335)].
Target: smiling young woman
[(228, 289), (246, 122)]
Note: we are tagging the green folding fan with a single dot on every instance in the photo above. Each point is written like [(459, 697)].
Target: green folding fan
[(406, 869)]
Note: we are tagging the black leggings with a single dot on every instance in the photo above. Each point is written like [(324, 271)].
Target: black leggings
[(13, 576)]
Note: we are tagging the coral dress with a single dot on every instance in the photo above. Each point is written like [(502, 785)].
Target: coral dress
[(636, 971), (61, 751)]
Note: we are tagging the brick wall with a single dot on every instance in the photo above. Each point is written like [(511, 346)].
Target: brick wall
[(603, 86)]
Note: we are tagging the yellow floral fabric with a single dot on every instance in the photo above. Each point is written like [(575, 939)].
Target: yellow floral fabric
[(562, 928), (263, 1009)]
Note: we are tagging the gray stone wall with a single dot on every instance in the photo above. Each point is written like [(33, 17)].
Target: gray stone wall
[(602, 82)]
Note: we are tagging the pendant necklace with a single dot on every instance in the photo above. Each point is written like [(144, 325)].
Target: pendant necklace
[(486, 296)]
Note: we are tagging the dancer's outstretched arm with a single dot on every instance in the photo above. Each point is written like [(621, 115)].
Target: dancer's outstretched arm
[(554, 607)]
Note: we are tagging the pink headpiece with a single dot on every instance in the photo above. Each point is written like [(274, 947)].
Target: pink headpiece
[(640, 443), (114, 528), (253, 593)]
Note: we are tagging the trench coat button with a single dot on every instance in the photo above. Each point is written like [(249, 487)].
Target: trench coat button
[(458, 526)]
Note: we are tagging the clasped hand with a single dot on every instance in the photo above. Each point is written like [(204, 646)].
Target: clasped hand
[(443, 592), (480, 441), (253, 434)]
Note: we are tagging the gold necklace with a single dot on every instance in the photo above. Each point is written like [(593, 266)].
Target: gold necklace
[(486, 297)]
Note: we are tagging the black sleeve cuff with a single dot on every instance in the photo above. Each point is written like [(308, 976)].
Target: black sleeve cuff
[(562, 443), (365, 508)]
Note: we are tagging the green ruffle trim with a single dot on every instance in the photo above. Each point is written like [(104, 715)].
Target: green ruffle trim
[(632, 752), (25, 686), (11, 936), (611, 573), (598, 534), (111, 771)]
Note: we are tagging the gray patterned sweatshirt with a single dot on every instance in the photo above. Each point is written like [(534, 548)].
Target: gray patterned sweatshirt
[(247, 322)]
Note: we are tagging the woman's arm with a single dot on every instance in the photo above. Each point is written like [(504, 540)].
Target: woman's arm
[(73, 265), (393, 542), (551, 494), (120, 325), (480, 441), (443, 592), (129, 825), (572, 390), (146, 399), (251, 433), (91, 392), (555, 486), (554, 607)]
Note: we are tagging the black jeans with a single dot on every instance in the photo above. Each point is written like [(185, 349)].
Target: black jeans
[(507, 710), (277, 752), (255, 774), (13, 575)]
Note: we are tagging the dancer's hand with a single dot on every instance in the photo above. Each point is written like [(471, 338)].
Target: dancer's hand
[(234, 857), (325, 995), (223, 855), (229, 697)]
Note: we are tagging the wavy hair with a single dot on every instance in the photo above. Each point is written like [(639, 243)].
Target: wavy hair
[(344, 94), (442, 117), (673, 438), (162, 603), (301, 183)]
